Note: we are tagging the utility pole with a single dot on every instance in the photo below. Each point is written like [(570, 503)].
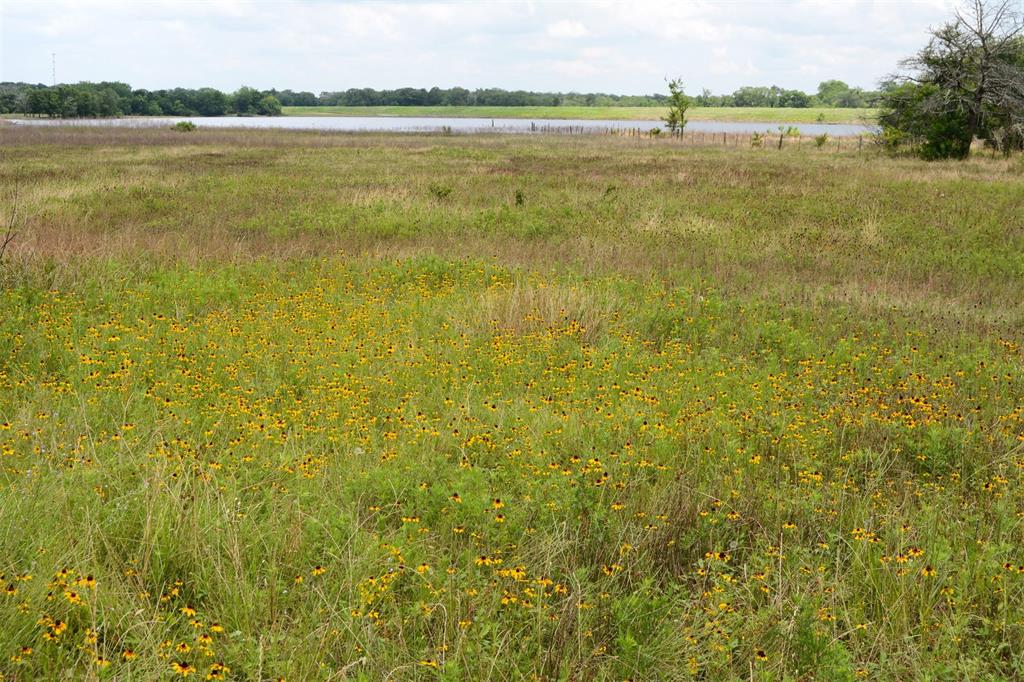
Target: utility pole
[(53, 56)]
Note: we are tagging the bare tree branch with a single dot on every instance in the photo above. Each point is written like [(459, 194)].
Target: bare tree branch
[(10, 229)]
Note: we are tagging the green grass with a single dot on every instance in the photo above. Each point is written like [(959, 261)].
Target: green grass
[(449, 407), (756, 114)]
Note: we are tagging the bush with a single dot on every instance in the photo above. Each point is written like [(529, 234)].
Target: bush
[(440, 191), (184, 126), (821, 140), (917, 115)]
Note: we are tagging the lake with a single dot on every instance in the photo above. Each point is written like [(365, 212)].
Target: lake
[(462, 125)]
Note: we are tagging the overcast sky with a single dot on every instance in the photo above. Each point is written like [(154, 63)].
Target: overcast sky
[(627, 47)]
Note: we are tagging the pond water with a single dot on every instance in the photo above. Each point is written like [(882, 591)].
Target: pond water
[(462, 125)]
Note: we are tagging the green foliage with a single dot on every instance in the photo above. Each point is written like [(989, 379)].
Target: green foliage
[(821, 140), (268, 106), (440, 190), (89, 100), (967, 83), (915, 114), (117, 99), (184, 126), (678, 103), (835, 93)]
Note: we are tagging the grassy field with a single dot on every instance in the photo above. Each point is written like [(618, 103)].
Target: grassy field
[(757, 114), (322, 406)]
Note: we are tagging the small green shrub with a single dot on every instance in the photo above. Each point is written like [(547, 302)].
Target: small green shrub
[(821, 140), (440, 191), (184, 126)]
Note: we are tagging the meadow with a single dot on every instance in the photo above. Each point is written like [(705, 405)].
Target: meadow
[(742, 114), (320, 406)]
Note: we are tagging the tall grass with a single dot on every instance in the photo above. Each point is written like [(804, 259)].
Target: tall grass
[(608, 408)]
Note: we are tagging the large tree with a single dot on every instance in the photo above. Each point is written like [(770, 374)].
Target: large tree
[(966, 83)]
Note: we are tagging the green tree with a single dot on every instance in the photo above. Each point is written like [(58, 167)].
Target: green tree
[(678, 103), (966, 83), (210, 102), (831, 92), (245, 100), (268, 106)]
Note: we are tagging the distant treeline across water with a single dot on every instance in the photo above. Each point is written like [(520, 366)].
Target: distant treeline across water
[(111, 98)]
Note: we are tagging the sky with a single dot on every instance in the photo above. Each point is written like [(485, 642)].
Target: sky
[(596, 46)]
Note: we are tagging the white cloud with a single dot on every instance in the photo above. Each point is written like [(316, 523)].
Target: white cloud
[(567, 29), (583, 46)]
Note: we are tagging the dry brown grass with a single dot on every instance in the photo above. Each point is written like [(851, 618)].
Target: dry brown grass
[(537, 307), (796, 226)]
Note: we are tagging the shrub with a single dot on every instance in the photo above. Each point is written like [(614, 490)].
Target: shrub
[(184, 126), (440, 191), (821, 140)]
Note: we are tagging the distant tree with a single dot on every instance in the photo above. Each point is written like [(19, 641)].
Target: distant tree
[(268, 106), (245, 100), (456, 97), (108, 103), (210, 102), (793, 98), (678, 103), (753, 97), (831, 92), (966, 83)]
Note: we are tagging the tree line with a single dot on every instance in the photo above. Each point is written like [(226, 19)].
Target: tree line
[(112, 98), (833, 93)]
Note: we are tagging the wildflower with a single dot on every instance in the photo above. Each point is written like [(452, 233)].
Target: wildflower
[(218, 671), (183, 669)]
